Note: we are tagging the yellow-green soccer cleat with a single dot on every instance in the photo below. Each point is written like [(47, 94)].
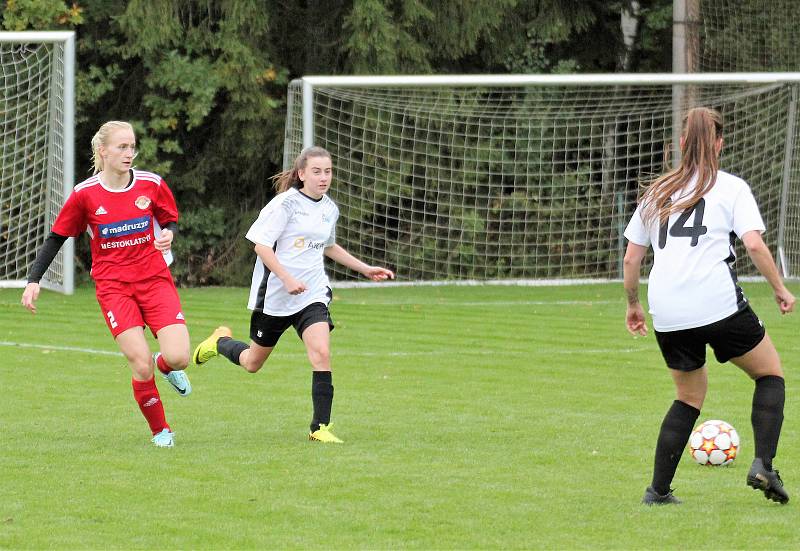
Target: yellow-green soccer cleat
[(208, 348), (325, 435)]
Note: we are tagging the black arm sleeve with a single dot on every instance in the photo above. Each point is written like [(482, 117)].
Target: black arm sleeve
[(173, 227), (45, 256)]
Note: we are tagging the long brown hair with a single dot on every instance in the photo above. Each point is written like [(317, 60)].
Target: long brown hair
[(290, 178), (702, 127)]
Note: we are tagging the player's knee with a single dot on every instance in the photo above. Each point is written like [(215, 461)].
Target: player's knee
[(252, 367), (772, 369), (320, 357), (178, 361), (693, 398), (142, 368), (252, 360)]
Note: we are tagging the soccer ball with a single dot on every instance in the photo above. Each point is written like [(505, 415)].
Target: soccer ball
[(714, 443)]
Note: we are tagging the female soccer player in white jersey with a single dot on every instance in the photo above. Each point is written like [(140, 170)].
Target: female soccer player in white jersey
[(290, 288), (691, 216), (123, 210)]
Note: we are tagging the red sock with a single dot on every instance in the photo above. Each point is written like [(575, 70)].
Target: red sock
[(146, 395), (161, 364)]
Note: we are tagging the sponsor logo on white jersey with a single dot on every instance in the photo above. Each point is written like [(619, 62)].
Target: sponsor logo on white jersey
[(100, 210), (301, 243)]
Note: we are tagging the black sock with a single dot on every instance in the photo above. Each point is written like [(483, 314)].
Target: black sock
[(672, 439), (231, 349), (322, 397), (767, 416)]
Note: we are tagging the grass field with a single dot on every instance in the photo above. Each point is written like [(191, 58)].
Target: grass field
[(473, 417)]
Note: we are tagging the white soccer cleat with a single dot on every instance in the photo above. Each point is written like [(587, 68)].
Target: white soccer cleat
[(164, 439), (178, 379)]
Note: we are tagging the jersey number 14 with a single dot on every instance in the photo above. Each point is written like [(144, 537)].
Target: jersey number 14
[(680, 229)]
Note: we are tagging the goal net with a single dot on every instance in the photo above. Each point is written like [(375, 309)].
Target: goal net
[(748, 35), (36, 154), (530, 177)]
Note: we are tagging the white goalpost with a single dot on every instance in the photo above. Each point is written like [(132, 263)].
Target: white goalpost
[(37, 104), (528, 178)]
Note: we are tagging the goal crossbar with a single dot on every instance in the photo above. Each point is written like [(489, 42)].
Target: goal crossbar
[(599, 79)]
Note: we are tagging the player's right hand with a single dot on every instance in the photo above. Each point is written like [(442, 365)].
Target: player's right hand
[(635, 320), (29, 296), (294, 286)]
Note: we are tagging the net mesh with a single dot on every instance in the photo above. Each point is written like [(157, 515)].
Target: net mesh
[(456, 183), (748, 35), (31, 156)]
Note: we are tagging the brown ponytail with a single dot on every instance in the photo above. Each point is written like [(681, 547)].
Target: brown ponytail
[(290, 177), (702, 128)]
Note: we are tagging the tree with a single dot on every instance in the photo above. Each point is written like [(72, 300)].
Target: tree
[(204, 83)]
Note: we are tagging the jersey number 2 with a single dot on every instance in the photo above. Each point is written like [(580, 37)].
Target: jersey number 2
[(680, 229)]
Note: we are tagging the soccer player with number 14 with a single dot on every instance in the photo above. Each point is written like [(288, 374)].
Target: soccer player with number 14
[(691, 216)]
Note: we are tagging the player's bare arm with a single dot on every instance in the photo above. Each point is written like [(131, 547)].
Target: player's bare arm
[(759, 253), (376, 273), (632, 264)]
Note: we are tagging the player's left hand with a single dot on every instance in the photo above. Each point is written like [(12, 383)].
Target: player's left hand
[(164, 243), (376, 273), (785, 300)]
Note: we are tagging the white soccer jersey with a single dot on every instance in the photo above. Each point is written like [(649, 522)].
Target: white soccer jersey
[(298, 228), (693, 282)]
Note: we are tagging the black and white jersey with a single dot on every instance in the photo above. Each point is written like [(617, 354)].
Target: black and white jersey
[(298, 228), (693, 282)]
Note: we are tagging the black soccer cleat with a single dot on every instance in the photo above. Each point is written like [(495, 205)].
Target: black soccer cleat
[(651, 497), (769, 482)]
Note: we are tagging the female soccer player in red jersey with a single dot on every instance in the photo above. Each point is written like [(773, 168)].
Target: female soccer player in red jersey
[(691, 217), (292, 235), (131, 218)]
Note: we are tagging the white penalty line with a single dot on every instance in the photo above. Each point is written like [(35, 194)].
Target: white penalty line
[(485, 303), (57, 348), (61, 348)]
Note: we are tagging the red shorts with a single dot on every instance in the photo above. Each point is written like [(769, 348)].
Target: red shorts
[(152, 302)]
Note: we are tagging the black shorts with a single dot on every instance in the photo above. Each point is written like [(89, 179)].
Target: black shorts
[(265, 330), (738, 334)]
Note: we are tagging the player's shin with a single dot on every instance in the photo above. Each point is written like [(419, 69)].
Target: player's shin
[(767, 416), (322, 398), (231, 348), (146, 395), (675, 431)]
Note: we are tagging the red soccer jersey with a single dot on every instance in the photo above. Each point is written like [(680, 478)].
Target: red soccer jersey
[(121, 224)]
